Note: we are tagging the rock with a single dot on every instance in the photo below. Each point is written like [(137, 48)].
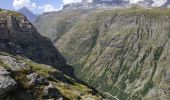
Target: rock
[(36, 79), (6, 82), (18, 36), (3, 71), (12, 63), (51, 91), (167, 77)]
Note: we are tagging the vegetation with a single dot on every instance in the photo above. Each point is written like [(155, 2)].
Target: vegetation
[(68, 87)]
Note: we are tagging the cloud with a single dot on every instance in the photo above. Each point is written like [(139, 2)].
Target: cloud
[(47, 8), (18, 4), (135, 1), (155, 3), (71, 1), (158, 3)]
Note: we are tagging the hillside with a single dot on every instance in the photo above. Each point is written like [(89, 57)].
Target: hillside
[(55, 24), (123, 53), (31, 68)]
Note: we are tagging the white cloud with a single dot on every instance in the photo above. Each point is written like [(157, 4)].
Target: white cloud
[(135, 1), (47, 8), (158, 3), (18, 4), (71, 1)]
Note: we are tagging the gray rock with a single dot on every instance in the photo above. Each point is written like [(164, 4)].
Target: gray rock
[(36, 79), (12, 63), (51, 91), (6, 82)]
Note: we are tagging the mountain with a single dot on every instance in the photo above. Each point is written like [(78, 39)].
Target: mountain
[(155, 3), (31, 17), (93, 4), (31, 68), (123, 53)]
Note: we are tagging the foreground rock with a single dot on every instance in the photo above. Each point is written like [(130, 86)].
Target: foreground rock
[(6, 82), (18, 36)]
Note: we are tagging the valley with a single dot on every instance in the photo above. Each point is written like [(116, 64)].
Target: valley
[(86, 50)]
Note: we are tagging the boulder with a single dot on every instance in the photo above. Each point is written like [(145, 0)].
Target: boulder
[(36, 79), (6, 82), (52, 92)]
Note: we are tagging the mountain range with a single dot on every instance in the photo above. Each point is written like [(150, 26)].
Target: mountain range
[(123, 52), (156, 3), (92, 50)]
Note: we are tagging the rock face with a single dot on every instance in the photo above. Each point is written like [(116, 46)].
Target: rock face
[(123, 53), (6, 82), (18, 36)]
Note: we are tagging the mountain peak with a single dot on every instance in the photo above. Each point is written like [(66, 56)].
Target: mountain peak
[(24, 8), (30, 15)]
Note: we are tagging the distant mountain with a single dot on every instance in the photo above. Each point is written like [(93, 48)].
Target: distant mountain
[(91, 4), (31, 16), (155, 3)]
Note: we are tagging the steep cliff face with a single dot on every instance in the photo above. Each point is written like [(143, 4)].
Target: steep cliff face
[(18, 36), (25, 59), (123, 53)]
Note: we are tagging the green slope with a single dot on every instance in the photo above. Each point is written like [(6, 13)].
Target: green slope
[(123, 52)]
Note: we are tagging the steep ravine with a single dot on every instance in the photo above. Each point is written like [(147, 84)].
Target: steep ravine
[(123, 53)]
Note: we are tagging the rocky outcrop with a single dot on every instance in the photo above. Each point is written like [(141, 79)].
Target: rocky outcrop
[(37, 82), (19, 37), (6, 82)]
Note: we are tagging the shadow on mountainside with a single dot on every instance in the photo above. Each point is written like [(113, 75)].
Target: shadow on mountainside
[(36, 51)]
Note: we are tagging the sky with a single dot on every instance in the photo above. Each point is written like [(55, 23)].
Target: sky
[(40, 6), (36, 6)]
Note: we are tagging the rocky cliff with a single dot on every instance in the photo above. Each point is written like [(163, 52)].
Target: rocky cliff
[(123, 53), (25, 59), (18, 36)]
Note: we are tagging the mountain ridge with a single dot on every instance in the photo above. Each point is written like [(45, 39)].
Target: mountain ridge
[(123, 53)]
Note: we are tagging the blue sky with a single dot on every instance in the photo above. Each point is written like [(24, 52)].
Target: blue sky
[(36, 6)]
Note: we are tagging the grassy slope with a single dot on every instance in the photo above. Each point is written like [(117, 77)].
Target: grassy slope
[(67, 86)]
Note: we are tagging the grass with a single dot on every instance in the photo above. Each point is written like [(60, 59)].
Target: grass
[(2, 64), (72, 91), (41, 69)]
